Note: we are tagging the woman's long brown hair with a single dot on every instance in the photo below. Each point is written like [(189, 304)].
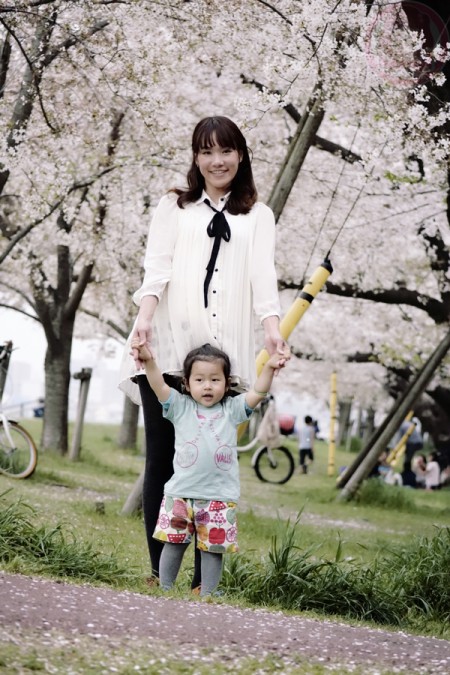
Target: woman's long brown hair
[(226, 134)]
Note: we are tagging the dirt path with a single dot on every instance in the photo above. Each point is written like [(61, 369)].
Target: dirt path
[(48, 607)]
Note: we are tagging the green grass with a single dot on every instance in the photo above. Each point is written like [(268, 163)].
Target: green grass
[(383, 558)]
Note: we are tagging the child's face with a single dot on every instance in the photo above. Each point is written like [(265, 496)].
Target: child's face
[(207, 384)]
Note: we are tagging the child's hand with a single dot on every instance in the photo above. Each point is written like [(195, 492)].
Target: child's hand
[(144, 350), (277, 361)]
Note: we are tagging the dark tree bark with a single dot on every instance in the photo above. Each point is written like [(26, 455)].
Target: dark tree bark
[(296, 154), (129, 427), (56, 309), (345, 409)]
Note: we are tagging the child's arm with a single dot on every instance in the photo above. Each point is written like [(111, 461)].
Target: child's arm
[(264, 380), (156, 380), (154, 375)]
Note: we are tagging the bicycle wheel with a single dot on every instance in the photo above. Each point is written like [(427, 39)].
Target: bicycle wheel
[(274, 466), (18, 461)]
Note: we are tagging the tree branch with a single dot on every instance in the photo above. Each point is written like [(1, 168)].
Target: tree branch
[(5, 55), (318, 141), (72, 40), (438, 256), (111, 147), (75, 297), (437, 310), (274, 9), (27, 229), (357, 357), (109, 322), (20, 293), (30, 88)]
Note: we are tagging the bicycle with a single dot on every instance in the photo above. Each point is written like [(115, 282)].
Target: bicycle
[(272, 462), (18, 452)]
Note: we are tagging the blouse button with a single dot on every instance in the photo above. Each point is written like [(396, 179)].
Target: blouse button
[(214, 314), (214, 291), (216, 270)]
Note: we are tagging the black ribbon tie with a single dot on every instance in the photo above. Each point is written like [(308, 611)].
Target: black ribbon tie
[(219, 229)]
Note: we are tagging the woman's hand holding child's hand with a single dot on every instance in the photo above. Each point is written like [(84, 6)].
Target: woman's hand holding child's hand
[(278, 361), (144, 350)]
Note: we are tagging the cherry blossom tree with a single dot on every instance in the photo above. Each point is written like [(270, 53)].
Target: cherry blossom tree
[(98, 100), (70, 85)]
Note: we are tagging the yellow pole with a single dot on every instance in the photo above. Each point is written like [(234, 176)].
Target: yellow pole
[(299, 307), (332, 440), (400, 448), (294, 314)]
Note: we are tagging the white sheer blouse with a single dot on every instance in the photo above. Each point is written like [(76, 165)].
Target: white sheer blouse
[(244, 283)]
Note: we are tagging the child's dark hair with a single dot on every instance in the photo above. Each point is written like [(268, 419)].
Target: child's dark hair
[(308, 419), (206, 353)]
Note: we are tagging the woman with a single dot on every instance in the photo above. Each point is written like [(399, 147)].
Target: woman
[(209, 265)]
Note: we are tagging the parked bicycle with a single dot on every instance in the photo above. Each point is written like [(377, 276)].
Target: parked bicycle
[(18, 452), (272, 462)]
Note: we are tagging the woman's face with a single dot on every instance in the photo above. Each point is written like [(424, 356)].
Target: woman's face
[(218, 167)]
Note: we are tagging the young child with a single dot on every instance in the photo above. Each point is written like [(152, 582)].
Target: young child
[(202, 494), (306, 443)]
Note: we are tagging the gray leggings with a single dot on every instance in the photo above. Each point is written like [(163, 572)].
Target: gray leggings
[(170, 563)]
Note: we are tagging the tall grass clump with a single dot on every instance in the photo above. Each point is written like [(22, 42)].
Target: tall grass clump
[(27, 547), (292, 579), (375, 492), (382, 592), (421, 572)]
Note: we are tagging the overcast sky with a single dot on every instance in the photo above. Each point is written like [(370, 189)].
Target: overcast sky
[(25, 381)]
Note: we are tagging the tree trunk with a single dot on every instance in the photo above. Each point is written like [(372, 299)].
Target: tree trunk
[(56, 309), (57, 382), (134, 499), (345, 409), (358, 423), (296, 155), (129, 426), (369, 424), (6, 350)]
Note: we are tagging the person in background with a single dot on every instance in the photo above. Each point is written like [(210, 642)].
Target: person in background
[(201, 496), (414, 443), (316, 430), (209, 268), (419, 467), (432, 472), (306, 437), (381, 468)]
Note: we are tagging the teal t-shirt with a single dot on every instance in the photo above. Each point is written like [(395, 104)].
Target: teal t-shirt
[(205, 462)]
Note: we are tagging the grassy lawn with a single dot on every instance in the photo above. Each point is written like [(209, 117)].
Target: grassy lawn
[(286, 532), (364, 529), (69, 492)]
